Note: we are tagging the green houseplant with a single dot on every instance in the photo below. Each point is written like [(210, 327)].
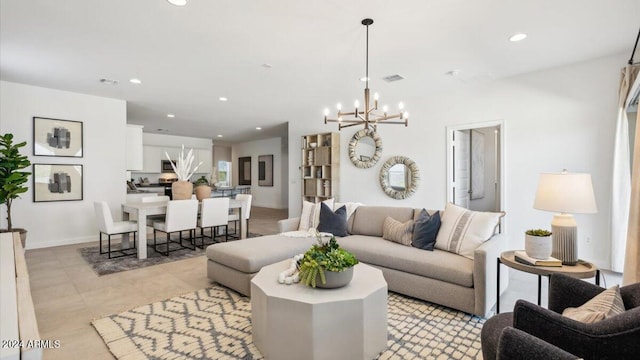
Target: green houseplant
[(12, 179), (326, 259), (538, 244)]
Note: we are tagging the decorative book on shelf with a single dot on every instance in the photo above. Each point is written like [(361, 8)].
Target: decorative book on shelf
[(522, 257)]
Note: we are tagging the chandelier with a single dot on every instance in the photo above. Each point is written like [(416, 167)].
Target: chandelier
[(369, 116)]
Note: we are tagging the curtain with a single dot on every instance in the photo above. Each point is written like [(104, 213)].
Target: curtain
[(621, 184), (632, 256)]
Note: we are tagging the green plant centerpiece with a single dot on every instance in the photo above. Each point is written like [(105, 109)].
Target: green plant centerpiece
[(325, 261), (538, 232), (12, 179)]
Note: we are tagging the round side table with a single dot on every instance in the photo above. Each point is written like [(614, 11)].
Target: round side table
[(582, 270)]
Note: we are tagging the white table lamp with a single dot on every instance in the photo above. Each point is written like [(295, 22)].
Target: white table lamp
[(565, 194)]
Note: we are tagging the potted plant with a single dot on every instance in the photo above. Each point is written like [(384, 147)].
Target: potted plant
[(328, 262), (537, 243), (203, 190), (12, 180), (183, 188)]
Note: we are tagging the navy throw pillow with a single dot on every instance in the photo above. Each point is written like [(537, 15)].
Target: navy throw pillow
[(333, 222), (425, 230)]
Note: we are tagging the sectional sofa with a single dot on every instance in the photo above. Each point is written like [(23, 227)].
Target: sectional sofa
[(437, 276)]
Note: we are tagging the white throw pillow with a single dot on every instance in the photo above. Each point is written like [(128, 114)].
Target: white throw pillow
[(310, 217), (463, 230), (351, 207)]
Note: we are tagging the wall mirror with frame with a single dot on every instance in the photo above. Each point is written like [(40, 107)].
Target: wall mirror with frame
[(365, 148), (399, 177)]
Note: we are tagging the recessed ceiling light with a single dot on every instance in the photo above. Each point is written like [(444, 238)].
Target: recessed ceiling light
[(258, 128), (222, 98), (454, 72), (163, 130), (135, 81), (109, 81), (518, 37), (267, 65), (178, 2), (171, 115), (219, 135)]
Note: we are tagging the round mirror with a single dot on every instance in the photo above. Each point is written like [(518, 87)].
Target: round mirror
[(365, 148), (399, 177)]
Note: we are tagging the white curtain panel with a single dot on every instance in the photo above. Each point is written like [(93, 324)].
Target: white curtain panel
[(621, 184)]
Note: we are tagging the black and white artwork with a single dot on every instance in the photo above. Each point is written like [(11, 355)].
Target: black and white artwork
[(57, 182), (56, 137)]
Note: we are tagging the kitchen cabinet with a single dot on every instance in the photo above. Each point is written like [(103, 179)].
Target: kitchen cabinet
[(204, 155), (134, 148), (152, 155)]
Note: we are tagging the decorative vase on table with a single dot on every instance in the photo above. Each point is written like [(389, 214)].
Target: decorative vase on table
[(336, 279), (181, 190), (203, 192), (538, 244), (326, 264)]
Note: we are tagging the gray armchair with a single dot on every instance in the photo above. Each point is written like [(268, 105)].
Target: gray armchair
[(515, 344), (613, 338)]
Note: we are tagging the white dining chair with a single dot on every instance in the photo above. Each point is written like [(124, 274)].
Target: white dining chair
[(155, 199), (246, 214), (182, 215), (107, 226), (214, 213)]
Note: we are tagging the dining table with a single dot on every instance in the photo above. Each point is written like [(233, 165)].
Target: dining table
[(139, 212)]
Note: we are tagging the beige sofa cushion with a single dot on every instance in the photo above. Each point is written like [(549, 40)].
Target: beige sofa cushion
[(250, 255), (369, 220), (437, 264)]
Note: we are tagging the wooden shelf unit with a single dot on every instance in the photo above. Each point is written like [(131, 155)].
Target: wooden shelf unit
[(320, 168)]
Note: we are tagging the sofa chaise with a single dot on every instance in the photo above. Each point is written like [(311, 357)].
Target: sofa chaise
[(437, 276)]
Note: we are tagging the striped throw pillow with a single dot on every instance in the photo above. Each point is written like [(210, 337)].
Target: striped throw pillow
[(462, 231), (602, 306), (394, 230)]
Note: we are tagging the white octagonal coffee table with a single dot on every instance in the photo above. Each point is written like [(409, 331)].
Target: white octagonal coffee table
[(299, 322)]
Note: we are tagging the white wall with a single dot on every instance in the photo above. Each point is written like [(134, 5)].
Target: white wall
[(554, 119), (104, 161), (263, 196)]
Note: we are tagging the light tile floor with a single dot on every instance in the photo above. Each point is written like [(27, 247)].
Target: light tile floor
[(67, 294)]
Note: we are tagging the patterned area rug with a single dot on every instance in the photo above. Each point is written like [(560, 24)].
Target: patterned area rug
[(215, 323), (102, 265)]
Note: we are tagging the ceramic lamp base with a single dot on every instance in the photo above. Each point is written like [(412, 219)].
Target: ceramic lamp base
[(565, 239)]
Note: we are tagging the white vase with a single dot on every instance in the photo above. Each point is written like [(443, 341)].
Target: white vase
[(538, 247)]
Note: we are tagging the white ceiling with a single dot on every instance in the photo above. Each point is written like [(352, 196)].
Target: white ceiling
[(187, 57)]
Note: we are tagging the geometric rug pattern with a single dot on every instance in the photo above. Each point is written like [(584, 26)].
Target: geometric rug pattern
[(215, 323)]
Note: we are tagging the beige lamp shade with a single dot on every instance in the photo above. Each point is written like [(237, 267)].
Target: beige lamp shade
[(565, 193)]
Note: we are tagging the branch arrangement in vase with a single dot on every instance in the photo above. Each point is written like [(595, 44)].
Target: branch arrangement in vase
[(183, 167)]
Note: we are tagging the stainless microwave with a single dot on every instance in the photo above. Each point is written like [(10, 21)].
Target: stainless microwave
[(166, 167)]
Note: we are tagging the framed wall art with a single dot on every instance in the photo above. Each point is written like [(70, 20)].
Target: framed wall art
[(265, 170), (244, 170), (57, 182), (56, 137)]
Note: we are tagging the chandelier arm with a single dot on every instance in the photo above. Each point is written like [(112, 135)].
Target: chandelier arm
[(355, 124), (345, 121)]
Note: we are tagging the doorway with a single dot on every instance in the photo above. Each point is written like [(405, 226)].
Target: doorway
[(475, 166)]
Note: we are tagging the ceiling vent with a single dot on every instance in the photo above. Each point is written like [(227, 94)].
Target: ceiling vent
[(392, 78), (109, 81)]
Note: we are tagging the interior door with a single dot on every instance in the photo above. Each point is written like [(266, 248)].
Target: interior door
[(461, 168)]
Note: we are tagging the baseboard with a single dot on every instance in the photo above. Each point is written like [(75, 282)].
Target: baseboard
[(61, 242)]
